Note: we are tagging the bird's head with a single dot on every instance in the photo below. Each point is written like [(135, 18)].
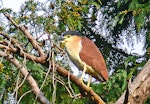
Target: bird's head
[(68, 36)]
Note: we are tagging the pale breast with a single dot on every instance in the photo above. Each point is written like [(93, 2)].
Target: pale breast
[(73, 50)]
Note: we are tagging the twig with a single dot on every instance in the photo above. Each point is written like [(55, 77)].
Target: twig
[(67, 88), (29, 78), (23, 96), (53, 78), (17, 84), (69, 83), (82, 86), (22, 53), (29, 36)]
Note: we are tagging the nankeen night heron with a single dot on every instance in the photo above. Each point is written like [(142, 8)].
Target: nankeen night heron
[(85, 55)]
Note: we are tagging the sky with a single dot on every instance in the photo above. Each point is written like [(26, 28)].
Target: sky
[(13, 4)]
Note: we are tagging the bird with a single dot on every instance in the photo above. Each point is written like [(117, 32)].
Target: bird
[(85, 55)]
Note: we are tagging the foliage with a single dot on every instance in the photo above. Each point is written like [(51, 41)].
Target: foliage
[(117, 81), (138, 9), (53, 20)]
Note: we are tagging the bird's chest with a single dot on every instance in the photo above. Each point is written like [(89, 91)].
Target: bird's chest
[(73, 50)]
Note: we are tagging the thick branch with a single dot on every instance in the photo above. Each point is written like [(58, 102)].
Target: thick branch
[(141, 93), (30, 79), (19, 48), (63, 72), (140, 88)]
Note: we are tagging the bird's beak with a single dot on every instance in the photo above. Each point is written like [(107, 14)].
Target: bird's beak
[(61, 39)]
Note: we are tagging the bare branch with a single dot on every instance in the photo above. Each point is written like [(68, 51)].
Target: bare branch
[(29, 36), (29, 78), (19, 52), (23, 96)]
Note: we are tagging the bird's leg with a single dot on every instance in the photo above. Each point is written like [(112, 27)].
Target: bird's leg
[(83, 73), (89, 81)]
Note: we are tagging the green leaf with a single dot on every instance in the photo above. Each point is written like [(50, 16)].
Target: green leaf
[(1, 28), (129, 59), (131, 72), (118, 4), (79, 25), (121, 20), (124, 80), (96, 5)]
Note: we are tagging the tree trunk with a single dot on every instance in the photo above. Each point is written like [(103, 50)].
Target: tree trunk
[(139, 89)]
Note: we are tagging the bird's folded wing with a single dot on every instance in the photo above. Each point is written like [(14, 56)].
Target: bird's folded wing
[(91, 55)]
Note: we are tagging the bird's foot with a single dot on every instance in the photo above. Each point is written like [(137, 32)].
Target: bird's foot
[(88, 85)]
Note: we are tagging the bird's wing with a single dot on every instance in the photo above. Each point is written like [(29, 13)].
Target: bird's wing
[(91, 55)]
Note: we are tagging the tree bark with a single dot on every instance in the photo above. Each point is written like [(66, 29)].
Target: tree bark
[(139, 89)]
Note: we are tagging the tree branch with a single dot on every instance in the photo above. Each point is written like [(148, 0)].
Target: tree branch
[(63, 72), (18, 49), (29, 78), (139, 88), (28, 35)]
